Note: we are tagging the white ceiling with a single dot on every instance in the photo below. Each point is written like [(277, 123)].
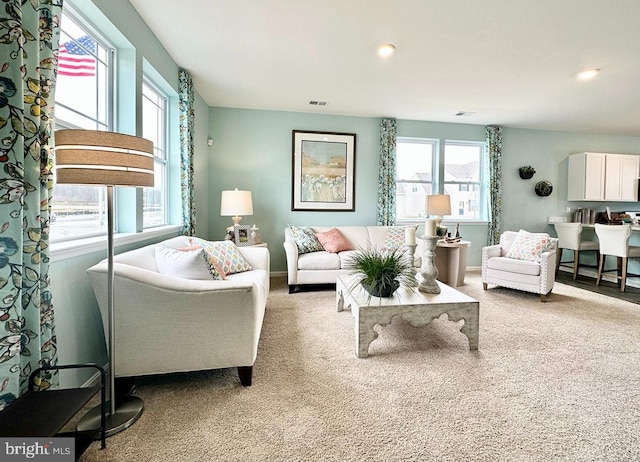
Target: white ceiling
[(511, 62)]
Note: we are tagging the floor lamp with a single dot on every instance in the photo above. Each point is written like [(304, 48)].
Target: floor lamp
[(89, 157)]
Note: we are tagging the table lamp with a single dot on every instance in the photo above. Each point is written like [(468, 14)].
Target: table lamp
[(235, 203), (438, 205), (92, 157)]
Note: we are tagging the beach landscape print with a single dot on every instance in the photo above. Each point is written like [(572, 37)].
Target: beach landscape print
[(323, 171)]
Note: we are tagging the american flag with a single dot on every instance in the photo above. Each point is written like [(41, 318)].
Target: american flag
[(76, 57)]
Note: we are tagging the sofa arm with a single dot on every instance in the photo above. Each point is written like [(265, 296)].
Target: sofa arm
[(547, 271), (291, 251), (257, 257)]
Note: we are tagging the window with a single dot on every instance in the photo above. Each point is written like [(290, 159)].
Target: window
[(462, 175), (83, 100), (423, 168), (414, 176), (154, 128)]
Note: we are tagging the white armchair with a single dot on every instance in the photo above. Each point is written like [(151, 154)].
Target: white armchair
[(530, 276)]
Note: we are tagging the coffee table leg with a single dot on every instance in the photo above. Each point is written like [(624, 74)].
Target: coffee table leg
[(471, 327), (365, 334), (339, 299)]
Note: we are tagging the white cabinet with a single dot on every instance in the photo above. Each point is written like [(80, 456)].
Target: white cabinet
[(586, 176), (621, 178), (603, 177)]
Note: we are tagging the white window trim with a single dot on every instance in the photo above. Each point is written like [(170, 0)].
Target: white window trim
[(65, 250)]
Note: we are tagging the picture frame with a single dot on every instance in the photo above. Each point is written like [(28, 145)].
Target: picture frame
[(242, 235), (323, 171)]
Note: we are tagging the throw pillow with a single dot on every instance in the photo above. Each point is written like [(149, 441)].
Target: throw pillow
[(529, 246), (185, 264), (305, 238), (333, 241), (223, 257), (394, 238)]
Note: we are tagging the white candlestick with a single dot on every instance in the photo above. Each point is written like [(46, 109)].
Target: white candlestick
[(430, 227), (410, 235)]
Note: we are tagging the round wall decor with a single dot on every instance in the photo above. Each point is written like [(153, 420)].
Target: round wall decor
[(543, 188)]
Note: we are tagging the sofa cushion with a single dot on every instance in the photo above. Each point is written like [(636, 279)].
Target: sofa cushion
[(223, 258), (319, 261), (529, 246), (188, 264), (333, 241), (512, 265), (305, 239)]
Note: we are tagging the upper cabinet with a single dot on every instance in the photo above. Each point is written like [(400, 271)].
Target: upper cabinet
[(595, 176)]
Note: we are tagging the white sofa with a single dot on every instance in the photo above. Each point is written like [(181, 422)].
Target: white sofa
[(165, 323), (323, 267), (529, 276)]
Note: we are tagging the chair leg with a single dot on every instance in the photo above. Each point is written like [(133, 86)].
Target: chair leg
[(623, 280), (600, 266), (484, 286), (576, 257), (558, 259)]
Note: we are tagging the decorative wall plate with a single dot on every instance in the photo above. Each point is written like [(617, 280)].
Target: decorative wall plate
[(543, 188)]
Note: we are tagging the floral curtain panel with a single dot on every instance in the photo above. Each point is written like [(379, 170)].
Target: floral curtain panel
[(386, 209), (494, 147), (29, 36), (187, 127)]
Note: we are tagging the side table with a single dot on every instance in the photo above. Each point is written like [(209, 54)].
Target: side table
[(451, 261)]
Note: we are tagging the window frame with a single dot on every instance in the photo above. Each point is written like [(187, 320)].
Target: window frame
[(438, 182), (108, 124), (163, 160)]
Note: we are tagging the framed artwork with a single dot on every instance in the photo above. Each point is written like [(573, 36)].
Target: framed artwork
[(323, 171), (242, 235)]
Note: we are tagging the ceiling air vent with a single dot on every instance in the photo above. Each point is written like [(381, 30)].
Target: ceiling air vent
[(318, 103), (464, 114)]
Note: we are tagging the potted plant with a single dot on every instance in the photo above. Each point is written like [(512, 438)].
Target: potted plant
[(526, 172), (381, 272)]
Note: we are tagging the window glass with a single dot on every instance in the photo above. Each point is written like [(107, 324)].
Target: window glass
[(420, 168), (82, 100), (154, 123), (462, 174), (414, 176)]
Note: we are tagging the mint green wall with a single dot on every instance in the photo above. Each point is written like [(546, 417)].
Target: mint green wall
[(252, 150)]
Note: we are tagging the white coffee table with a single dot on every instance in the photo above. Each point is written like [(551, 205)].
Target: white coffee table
[(413, 306)]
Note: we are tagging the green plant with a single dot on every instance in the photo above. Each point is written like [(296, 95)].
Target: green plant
[(382, 271)]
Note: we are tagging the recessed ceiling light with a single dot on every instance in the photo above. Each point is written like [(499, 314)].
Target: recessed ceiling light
[(386, 49), (588, 73)]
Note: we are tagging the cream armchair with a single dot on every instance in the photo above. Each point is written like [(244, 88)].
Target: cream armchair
[(165, 323), (530, 276)]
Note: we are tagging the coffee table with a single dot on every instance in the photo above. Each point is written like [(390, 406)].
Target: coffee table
[(413, 306)]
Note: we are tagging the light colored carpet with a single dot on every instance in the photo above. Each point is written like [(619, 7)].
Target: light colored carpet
[(555, 381)]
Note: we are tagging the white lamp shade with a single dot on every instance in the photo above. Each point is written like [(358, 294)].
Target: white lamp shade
[(235, 203), (438, 204), (103, 158)]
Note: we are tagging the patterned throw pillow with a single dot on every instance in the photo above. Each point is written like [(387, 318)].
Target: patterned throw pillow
[(529, 246), (223, 257), (394, 238), (333, 241), (305, 238)]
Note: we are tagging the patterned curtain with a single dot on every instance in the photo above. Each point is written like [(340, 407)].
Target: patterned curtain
[(386, 210), (494, 148), (187, 127), (28, 46)]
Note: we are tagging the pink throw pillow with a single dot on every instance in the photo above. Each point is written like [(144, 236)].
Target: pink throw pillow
[(333, 241)]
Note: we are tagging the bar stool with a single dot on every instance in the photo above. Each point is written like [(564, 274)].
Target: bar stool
[(614, 241), (570, 238)]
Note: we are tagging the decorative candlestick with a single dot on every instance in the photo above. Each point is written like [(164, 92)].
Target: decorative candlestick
[(428, 270), (411, 250)]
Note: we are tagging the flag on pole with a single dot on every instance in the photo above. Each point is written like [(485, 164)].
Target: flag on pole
[(76, 57)]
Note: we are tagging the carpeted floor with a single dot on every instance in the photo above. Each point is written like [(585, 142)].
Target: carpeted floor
[(554, 381)]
